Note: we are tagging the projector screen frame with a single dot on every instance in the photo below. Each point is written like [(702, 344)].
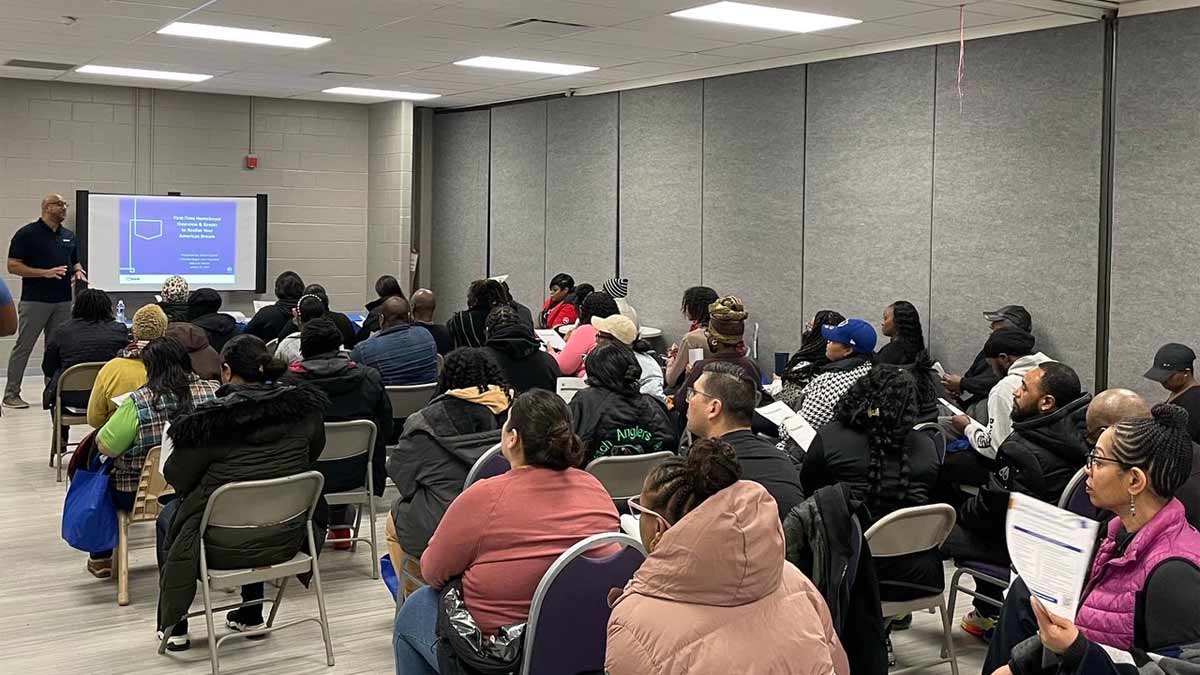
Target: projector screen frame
[(260, 261)]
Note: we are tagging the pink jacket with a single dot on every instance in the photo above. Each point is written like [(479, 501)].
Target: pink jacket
[(1107, 613), (717, 596)]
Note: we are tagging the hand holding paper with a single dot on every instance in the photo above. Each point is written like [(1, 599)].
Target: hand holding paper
[(551, 338), (1052, 551)]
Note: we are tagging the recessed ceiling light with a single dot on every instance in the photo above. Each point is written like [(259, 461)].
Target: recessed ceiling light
[(231, 34), (143, 74), (525, 66), (381, 93), (758, 16)]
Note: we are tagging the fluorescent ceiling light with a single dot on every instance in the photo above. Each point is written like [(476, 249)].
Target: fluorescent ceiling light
[(230, 34), (525, 66), (381, 93), (144, 74), (758, 16)]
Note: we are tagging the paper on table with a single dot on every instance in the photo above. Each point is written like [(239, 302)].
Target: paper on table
[(500, 278), (167, 448), (121, 399), (551, 338), (695, 355), (951, 407), (779, 413), (1052, 551)]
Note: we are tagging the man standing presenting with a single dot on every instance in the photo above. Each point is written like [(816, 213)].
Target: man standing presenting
[(44, 254)]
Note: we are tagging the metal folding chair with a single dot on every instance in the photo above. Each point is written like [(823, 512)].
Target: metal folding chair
[(80, 377), (252, 505), (407, 399), (346, 440), (151, 485), (623, 476), (489, 465), (272, 346)]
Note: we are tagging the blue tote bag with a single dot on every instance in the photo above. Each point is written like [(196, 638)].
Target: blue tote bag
[(89, 521)]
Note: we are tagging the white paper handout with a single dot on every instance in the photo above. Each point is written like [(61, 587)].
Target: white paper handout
[(937, 366), (499, 278), (551, 338), (167, 448), (954, 410), (568, 386), (1052, 551), (121, 399), (695, 355), (793, 422)]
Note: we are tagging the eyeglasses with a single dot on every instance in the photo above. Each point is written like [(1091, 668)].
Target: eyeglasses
[(1092, 458), (692, 391), (62, 204), (635, 504)]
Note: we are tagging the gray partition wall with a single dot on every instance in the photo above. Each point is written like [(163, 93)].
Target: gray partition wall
[(753, 220), (1157, 157), (581, 188), (1017, 191), (518, 198), (458, 250), (868, 180), (660, 173)]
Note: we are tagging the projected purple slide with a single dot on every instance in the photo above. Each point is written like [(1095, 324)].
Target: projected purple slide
[(196, 238)]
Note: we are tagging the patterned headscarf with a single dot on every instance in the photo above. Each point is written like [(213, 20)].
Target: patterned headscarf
[(175, 289), (727, 320)]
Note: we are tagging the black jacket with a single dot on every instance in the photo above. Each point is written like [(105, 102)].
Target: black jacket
[(429, 466), (523, 313), (441, 336), (344, 325), (769, 466), (466, 328), (896, 353), (250, 432), (978, 381), (1037, 459), (842, 455), (269, 321), (371, 321), (519, 354), (75, 342), (204, 306), (355, 392), (176, 311), (613, 424)]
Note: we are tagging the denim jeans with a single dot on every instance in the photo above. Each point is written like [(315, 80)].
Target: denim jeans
[(414, 634)]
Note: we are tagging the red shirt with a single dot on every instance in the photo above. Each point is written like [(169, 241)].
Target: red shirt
[(562, 314), (503, 533)]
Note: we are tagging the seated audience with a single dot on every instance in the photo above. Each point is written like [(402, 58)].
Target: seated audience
[(556, 310), (125, 372), (519, 352), (171, 389), (522, 311), (1172, 369), (1010, 352), (310, 307), (1047, 446), (255, 429), (439, 445), (724, 336), (204, 306), (91, 335), (612, 416), (582, 340), (343, 322), (715, 594), (386, 286), (467, 326), (424, 304), (808, 361), (174, 301), (401, 352), (902, 324), (696, 301), (1144, 585), (537, 510), (206, 362), (850, 348), (721, 405), (973, 387), (618, 289), (269, 321), (620, 328)]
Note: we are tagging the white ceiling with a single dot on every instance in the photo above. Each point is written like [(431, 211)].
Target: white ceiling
[(411, 44)]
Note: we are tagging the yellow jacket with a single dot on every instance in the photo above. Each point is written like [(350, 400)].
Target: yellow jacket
[(119, 376)]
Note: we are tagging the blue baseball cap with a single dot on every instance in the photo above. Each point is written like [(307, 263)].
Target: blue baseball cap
[(858, 334)]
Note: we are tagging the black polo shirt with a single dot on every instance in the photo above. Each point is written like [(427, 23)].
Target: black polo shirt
[(40, 247)]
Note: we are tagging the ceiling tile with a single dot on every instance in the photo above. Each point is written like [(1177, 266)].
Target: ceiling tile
[(620, 36), (709, 30), (576, 45), (805, 42), (573, 12), (869, 31), (359, 14), (944, 19), (750, 52)]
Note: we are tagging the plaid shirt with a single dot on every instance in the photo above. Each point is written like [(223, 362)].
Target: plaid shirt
[(152, 418)]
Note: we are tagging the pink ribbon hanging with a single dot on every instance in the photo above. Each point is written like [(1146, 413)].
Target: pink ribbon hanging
[(962, 56)]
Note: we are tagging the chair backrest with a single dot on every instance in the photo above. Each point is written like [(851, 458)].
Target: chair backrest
[(491, 463), (566, 631), (263, 503), (567, 387), (911, 530), (623, 476), (441, 363), (151, 484), (409, 398), (344, 440), (1075, 498), (934, 431), (272, 346), (79, 377)]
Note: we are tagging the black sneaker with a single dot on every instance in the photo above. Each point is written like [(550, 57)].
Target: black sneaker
[(15, 402), (902, 622), (245, 622)]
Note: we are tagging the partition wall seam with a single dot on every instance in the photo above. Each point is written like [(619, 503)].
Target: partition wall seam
[(487, 256), (617, 214), (932, 183), (803, 189), (703, 130), (545, 194), (1104, 262)]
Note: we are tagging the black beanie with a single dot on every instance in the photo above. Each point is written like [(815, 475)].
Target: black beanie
[(319, 336), (1010, 341)]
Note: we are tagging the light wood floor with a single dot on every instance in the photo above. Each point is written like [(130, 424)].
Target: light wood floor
[(56, 619)]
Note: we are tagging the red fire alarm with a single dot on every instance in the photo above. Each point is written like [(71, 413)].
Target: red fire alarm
[(251, 161)]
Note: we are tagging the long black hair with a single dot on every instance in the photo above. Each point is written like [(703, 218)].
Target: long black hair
[(613, 366), (680, 484), (578, 296), (812, 349), (471, 367), (695, 303), (168, 372), (908, 329), (93, 304), (597, 304), (883, 404), (543, 422), (247, 357), (485, 294)]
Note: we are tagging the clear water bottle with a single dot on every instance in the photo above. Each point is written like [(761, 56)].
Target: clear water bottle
[(121, 311)]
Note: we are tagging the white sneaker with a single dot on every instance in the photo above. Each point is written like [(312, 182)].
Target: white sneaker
[(176, 643), (233, 623)]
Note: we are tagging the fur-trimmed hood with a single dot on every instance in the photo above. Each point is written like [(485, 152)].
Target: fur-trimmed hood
[(267, 409)]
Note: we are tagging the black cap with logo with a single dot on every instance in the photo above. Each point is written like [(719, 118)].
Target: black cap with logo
[(1171, 358), (1016, 315)]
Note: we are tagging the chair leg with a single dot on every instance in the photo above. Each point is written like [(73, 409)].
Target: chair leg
[(316, 575), (948, 632), (121, 561), (54, 432), (208, 620), (374, 541), (954, 581), (357, 527), (278, 598)]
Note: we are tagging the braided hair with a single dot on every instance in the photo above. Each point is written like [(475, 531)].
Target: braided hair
[(471, 367), (908, 329), (1158, 445), (680, 484), (695, 303), (92, 304), (882, 404)]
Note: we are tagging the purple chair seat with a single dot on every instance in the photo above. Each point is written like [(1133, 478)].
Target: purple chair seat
[(996, 571)]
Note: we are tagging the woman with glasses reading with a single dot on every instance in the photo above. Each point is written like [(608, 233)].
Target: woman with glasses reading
[(1144, 585), (715, 594)]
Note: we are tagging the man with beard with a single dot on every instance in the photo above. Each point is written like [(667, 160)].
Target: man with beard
[(1047, 446)]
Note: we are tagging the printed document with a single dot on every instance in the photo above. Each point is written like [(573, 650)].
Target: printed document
[(1052, 551), (551, 338), (793, 422)]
